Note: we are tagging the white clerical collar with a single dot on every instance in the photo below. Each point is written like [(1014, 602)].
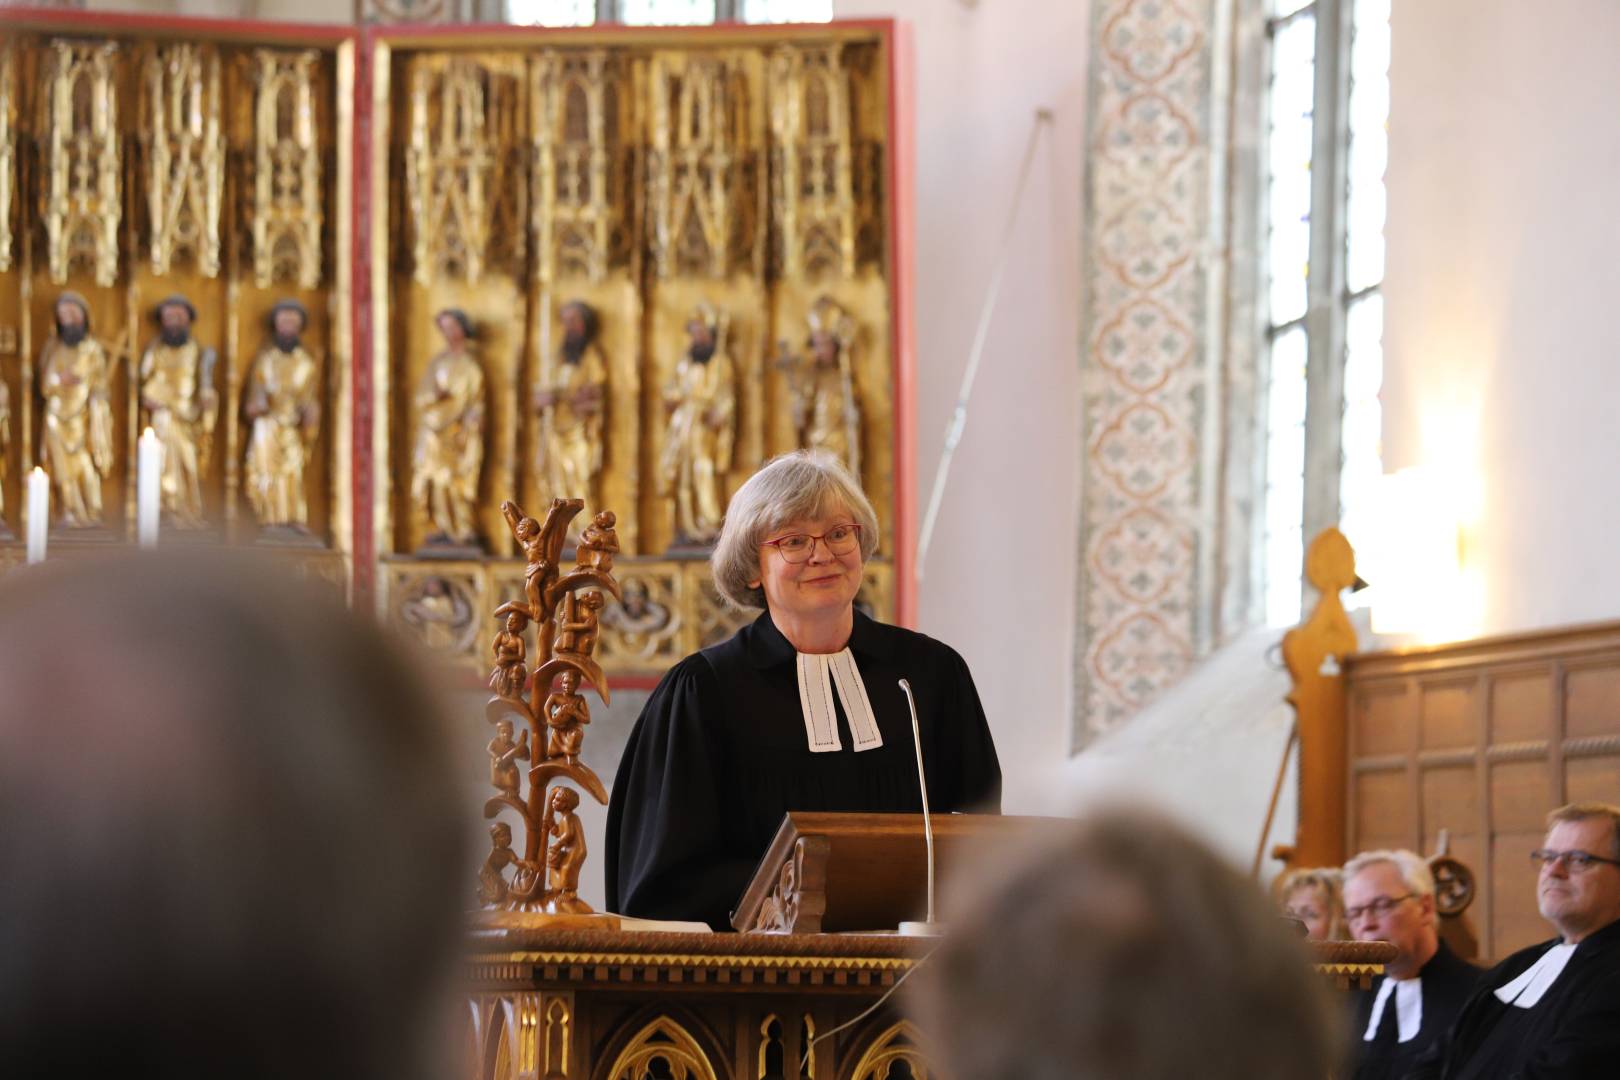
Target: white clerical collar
[(1527, 990), (1408, 995), (818, 673)]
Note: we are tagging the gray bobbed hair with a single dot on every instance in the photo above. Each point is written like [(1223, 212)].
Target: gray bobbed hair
[(791, 487)]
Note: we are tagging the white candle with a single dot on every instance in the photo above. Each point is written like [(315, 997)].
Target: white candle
[(148, 488), (39, 513)]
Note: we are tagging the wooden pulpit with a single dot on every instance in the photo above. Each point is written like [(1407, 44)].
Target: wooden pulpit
[(837, 873)]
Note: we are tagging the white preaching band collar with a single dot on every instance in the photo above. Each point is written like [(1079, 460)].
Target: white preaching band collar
[(818, 674), (1527, 990), (1408, 995)]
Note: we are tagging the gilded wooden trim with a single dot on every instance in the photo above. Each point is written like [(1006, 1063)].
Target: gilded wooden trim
[(8, 146), (342, 344), (667, 1039), (896, 1044), (382, 524), (701, 960)]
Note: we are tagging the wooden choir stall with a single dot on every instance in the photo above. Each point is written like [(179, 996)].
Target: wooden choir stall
[(1459, 749)]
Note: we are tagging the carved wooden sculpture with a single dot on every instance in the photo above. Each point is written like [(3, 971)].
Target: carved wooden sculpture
[(1318, 700), (564, 607)]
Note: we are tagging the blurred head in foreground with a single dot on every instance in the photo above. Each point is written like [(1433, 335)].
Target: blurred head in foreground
[(1119, 948), (229, 829)]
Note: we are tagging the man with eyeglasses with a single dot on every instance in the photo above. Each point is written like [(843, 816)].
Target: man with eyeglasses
[(1552, 1010), (1389, 896)]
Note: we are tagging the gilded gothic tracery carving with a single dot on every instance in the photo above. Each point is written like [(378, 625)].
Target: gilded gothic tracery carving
[(185, 154), (465, 195), (813, 161), (702, 168), (667, 1043), (582, 194), (84, 193), (286, 212)]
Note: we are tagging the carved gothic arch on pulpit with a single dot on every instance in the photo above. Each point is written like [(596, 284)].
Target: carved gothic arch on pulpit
[(673, 1040), (897, 1043)]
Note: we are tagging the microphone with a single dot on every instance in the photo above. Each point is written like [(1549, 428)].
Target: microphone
[(928, 927)]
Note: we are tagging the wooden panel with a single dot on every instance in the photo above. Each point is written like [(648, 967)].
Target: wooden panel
[(1550, 724), (1521, 795), (1383, 811), (1593, 779), (1521, 708), (1447, 717), (1515, 921), (1450, 800), (1379, 723), (1592, 701)]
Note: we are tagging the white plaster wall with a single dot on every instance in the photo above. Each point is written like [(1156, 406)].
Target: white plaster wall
[(1000, 579), (1502, 339), (1206, 752)]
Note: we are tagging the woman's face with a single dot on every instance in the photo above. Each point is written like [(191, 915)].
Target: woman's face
[(824, 585), (1307, 904)]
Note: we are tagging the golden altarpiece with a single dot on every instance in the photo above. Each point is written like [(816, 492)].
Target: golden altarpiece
[(662, 258), (168, 192), (670, 257)]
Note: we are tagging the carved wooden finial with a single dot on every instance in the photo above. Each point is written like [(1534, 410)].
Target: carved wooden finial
[(1314, 652)]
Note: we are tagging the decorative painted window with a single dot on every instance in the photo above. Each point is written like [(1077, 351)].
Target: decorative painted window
[(666, 12), (1327, 105)]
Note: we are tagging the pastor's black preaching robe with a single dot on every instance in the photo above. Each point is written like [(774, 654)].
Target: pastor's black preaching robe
[(720, 753), (1446, 982), (1572, 1033)]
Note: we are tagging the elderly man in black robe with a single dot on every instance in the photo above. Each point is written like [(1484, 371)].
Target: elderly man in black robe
[(1552, 1011), (1389, 896)]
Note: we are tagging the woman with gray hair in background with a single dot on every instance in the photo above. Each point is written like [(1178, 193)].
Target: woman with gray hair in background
[(800, 710)]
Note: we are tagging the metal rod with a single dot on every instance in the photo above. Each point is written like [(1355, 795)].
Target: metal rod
[(1276, 792), (953, 431)]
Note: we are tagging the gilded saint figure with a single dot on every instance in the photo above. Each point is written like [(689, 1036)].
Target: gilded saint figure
[(701, 402), (449, 454), (821, 387), (179, 403), (75, 378), (570, 408), (283, 409)]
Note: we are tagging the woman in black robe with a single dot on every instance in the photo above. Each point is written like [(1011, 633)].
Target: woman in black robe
[(801, 710)]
